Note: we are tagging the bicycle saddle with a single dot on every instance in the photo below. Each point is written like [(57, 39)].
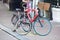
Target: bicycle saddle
[(17, 9)]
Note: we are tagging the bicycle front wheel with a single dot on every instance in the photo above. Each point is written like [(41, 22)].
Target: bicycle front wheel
[(26, 25), (19, 28), (42, 27)]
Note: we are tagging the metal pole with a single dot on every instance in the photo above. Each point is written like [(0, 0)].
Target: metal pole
[(57, 2), (35, 2)]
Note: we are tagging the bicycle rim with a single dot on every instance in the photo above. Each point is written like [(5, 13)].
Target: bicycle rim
[(43, 30)]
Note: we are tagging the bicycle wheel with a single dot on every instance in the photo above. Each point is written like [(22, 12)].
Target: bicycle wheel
[(19, 29), (26, 25), (23, 27), (14, 19), (42, 27)]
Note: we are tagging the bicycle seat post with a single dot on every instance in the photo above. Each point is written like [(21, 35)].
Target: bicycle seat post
[(18, 12)]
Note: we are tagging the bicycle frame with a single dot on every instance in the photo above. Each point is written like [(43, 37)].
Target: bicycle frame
[(34, 10), (31, 9)]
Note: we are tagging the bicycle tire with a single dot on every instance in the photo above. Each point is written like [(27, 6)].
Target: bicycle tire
[(43, 30), (14, 19)]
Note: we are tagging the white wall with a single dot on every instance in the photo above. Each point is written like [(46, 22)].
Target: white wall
[(56, 14)]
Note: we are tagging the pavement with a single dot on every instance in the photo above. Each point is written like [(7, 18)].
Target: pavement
[(5, 19), (3, 16)]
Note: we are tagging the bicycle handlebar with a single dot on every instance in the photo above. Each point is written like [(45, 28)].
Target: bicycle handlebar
[(18, 10), (23, 5)]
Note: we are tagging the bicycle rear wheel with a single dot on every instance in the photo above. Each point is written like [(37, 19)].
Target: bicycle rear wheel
[(26, 26), (14, 19), (42, 27)]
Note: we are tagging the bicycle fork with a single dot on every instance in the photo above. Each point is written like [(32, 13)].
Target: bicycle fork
[(40, 22)]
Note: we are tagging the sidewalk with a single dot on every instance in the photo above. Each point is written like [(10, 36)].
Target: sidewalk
[(4, 13)]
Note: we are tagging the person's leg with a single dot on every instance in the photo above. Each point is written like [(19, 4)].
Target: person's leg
[(50, 10), (11, 6)]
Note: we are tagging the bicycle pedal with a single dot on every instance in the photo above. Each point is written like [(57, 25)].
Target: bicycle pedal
[(14, 30)]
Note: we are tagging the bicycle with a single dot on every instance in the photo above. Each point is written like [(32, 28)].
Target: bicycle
[(18, 20), (36, 23)]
